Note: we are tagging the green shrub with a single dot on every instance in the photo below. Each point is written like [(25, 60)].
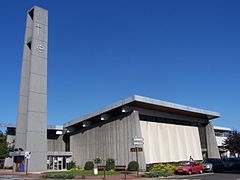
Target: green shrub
[(71, 165), (58, 175), (89, 165), (151, 174), (97, 161), (77, 169), (110, 164), (8, 167), (133, 166), (155, 174), (165, 167), (161, 169)]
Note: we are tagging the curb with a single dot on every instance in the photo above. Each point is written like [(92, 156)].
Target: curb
[(177, 176)]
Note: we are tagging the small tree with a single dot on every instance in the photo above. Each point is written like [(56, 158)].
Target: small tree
[(110, 164), (232, 143), (97, 161), (4, 147)]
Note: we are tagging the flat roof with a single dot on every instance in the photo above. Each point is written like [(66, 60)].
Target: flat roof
[(148, 103), (222, 128), (49, 127)]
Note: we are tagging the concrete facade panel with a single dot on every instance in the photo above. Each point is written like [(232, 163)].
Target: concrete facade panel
[(169, 146), (38, 83), (36, 141), (28, 34), (25, 69), (37, 121), (39, 48), (212, 147), (107, 141), (37, 102), (21, 140), (26, 53), (56, 144), (202, 133), (39, 66), (24, 87), (37, 162), (40, 30), (23, 104), (29, 22), (21, 123), (40, 15)]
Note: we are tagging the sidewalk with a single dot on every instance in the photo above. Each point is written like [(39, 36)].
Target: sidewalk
[(116, 177), (9, 174)]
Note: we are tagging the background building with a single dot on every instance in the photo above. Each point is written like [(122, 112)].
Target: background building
[(221, 134)]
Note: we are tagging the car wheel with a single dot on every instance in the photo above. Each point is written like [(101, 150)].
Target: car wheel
[(189, 172), (201, 171)]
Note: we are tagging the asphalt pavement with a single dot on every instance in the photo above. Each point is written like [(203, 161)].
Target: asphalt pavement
[(227, 175)]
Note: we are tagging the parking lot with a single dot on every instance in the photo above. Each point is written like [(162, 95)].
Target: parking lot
[(228, 175)]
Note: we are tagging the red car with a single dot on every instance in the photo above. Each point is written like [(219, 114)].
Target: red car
[(189, 168)]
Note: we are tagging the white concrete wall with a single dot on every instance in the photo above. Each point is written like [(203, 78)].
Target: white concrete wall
[(169, 142), (56, 144)]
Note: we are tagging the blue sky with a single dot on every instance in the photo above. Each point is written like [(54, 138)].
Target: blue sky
[(185, 52)]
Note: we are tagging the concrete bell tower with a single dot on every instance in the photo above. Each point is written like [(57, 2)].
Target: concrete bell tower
[(31, 130)]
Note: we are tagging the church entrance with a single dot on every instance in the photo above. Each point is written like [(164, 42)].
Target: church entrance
[(57, 163)]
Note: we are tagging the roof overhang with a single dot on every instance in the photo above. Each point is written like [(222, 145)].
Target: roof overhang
[(151, 104)]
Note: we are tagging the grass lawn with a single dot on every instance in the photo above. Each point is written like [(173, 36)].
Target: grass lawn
[(100, 173), (71, 174)]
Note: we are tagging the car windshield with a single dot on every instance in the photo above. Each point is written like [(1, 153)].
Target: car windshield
[(187, 164), (210, 160), (207, 161), (231, 160)]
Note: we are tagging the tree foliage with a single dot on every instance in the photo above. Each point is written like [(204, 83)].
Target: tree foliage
[(4, 147), (232, 143)]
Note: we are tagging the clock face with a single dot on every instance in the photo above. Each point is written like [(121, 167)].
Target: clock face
[(40, 48)]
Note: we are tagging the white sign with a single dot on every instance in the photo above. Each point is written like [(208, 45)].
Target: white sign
[(138, 143), (27, 154), (138, 138)]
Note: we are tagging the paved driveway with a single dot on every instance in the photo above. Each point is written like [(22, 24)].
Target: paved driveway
[(228, 175)]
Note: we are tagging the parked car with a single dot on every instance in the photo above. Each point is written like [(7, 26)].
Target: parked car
[(213, 165), (189, 168), (232, 163)]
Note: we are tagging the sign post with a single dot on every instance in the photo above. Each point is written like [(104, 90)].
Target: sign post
[(136, 142), (27, 156), (26, 166)]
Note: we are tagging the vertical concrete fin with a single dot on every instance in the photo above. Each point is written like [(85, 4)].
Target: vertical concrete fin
[(212, 147)]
